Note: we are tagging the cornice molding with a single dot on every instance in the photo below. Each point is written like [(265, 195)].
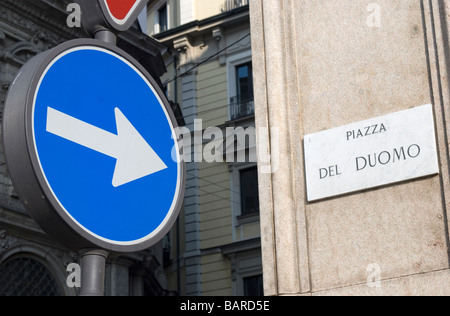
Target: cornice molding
[(37, 15)]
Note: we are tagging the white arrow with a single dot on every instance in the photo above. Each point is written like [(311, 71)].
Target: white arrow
[(135, 158)]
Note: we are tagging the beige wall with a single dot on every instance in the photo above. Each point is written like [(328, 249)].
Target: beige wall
[(212, 95), (203, 93), (208, 8), (216, 275), (199, 10), (331, 68), (215, 205)]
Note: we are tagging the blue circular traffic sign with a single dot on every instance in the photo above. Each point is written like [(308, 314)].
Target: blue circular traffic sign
[(101, 136)]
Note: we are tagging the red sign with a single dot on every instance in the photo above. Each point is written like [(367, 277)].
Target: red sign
[(121, 14), (120, 9), (116, 15)]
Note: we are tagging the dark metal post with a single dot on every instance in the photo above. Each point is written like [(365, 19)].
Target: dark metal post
[(106, 36), (93, 264)]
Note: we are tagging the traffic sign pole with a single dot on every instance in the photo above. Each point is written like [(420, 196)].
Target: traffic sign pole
[(93, 263)]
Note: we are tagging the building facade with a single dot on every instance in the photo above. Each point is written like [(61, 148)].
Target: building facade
[(30, 262), (215, 247), (338, 63)]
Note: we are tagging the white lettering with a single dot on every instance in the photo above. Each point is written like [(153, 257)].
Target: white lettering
[(247, 306), (239, 145), (74, 278), (74, 18), (192, 306), (374, 18)]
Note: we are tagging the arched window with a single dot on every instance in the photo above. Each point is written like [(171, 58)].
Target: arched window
[(25, 276)]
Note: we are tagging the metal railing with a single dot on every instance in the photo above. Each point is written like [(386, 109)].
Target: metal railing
[(241, 108), (229, 5)]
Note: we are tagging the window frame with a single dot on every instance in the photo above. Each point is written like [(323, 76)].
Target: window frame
[(259, 277), (156, 10), (241, 192), (239, 219), (249, 65), (160, 12), (232, 62)]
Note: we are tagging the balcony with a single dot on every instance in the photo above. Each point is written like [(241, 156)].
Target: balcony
[(240, 109), (229, 5)]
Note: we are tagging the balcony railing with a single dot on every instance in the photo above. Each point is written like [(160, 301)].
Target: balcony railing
[(241, 108), (229, 5)]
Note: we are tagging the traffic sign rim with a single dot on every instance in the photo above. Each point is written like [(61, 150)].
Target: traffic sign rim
[(165, 226), (19, 163)]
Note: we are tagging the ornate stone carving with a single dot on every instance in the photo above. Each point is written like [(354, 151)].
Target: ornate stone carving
[(22, 14), (185, 50), (6, 241)]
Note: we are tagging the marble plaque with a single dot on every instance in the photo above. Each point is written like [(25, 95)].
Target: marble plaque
[(368, 154)]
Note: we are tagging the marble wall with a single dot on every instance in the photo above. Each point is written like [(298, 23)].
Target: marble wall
[(324, 64)]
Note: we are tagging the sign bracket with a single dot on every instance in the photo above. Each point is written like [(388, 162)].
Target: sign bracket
[(107, 36)]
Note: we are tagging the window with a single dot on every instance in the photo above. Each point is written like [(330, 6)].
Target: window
[(27, 277), (246, 262), (253, 286), (162, 19), (249, 191), (244, 81), (242, 104)]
